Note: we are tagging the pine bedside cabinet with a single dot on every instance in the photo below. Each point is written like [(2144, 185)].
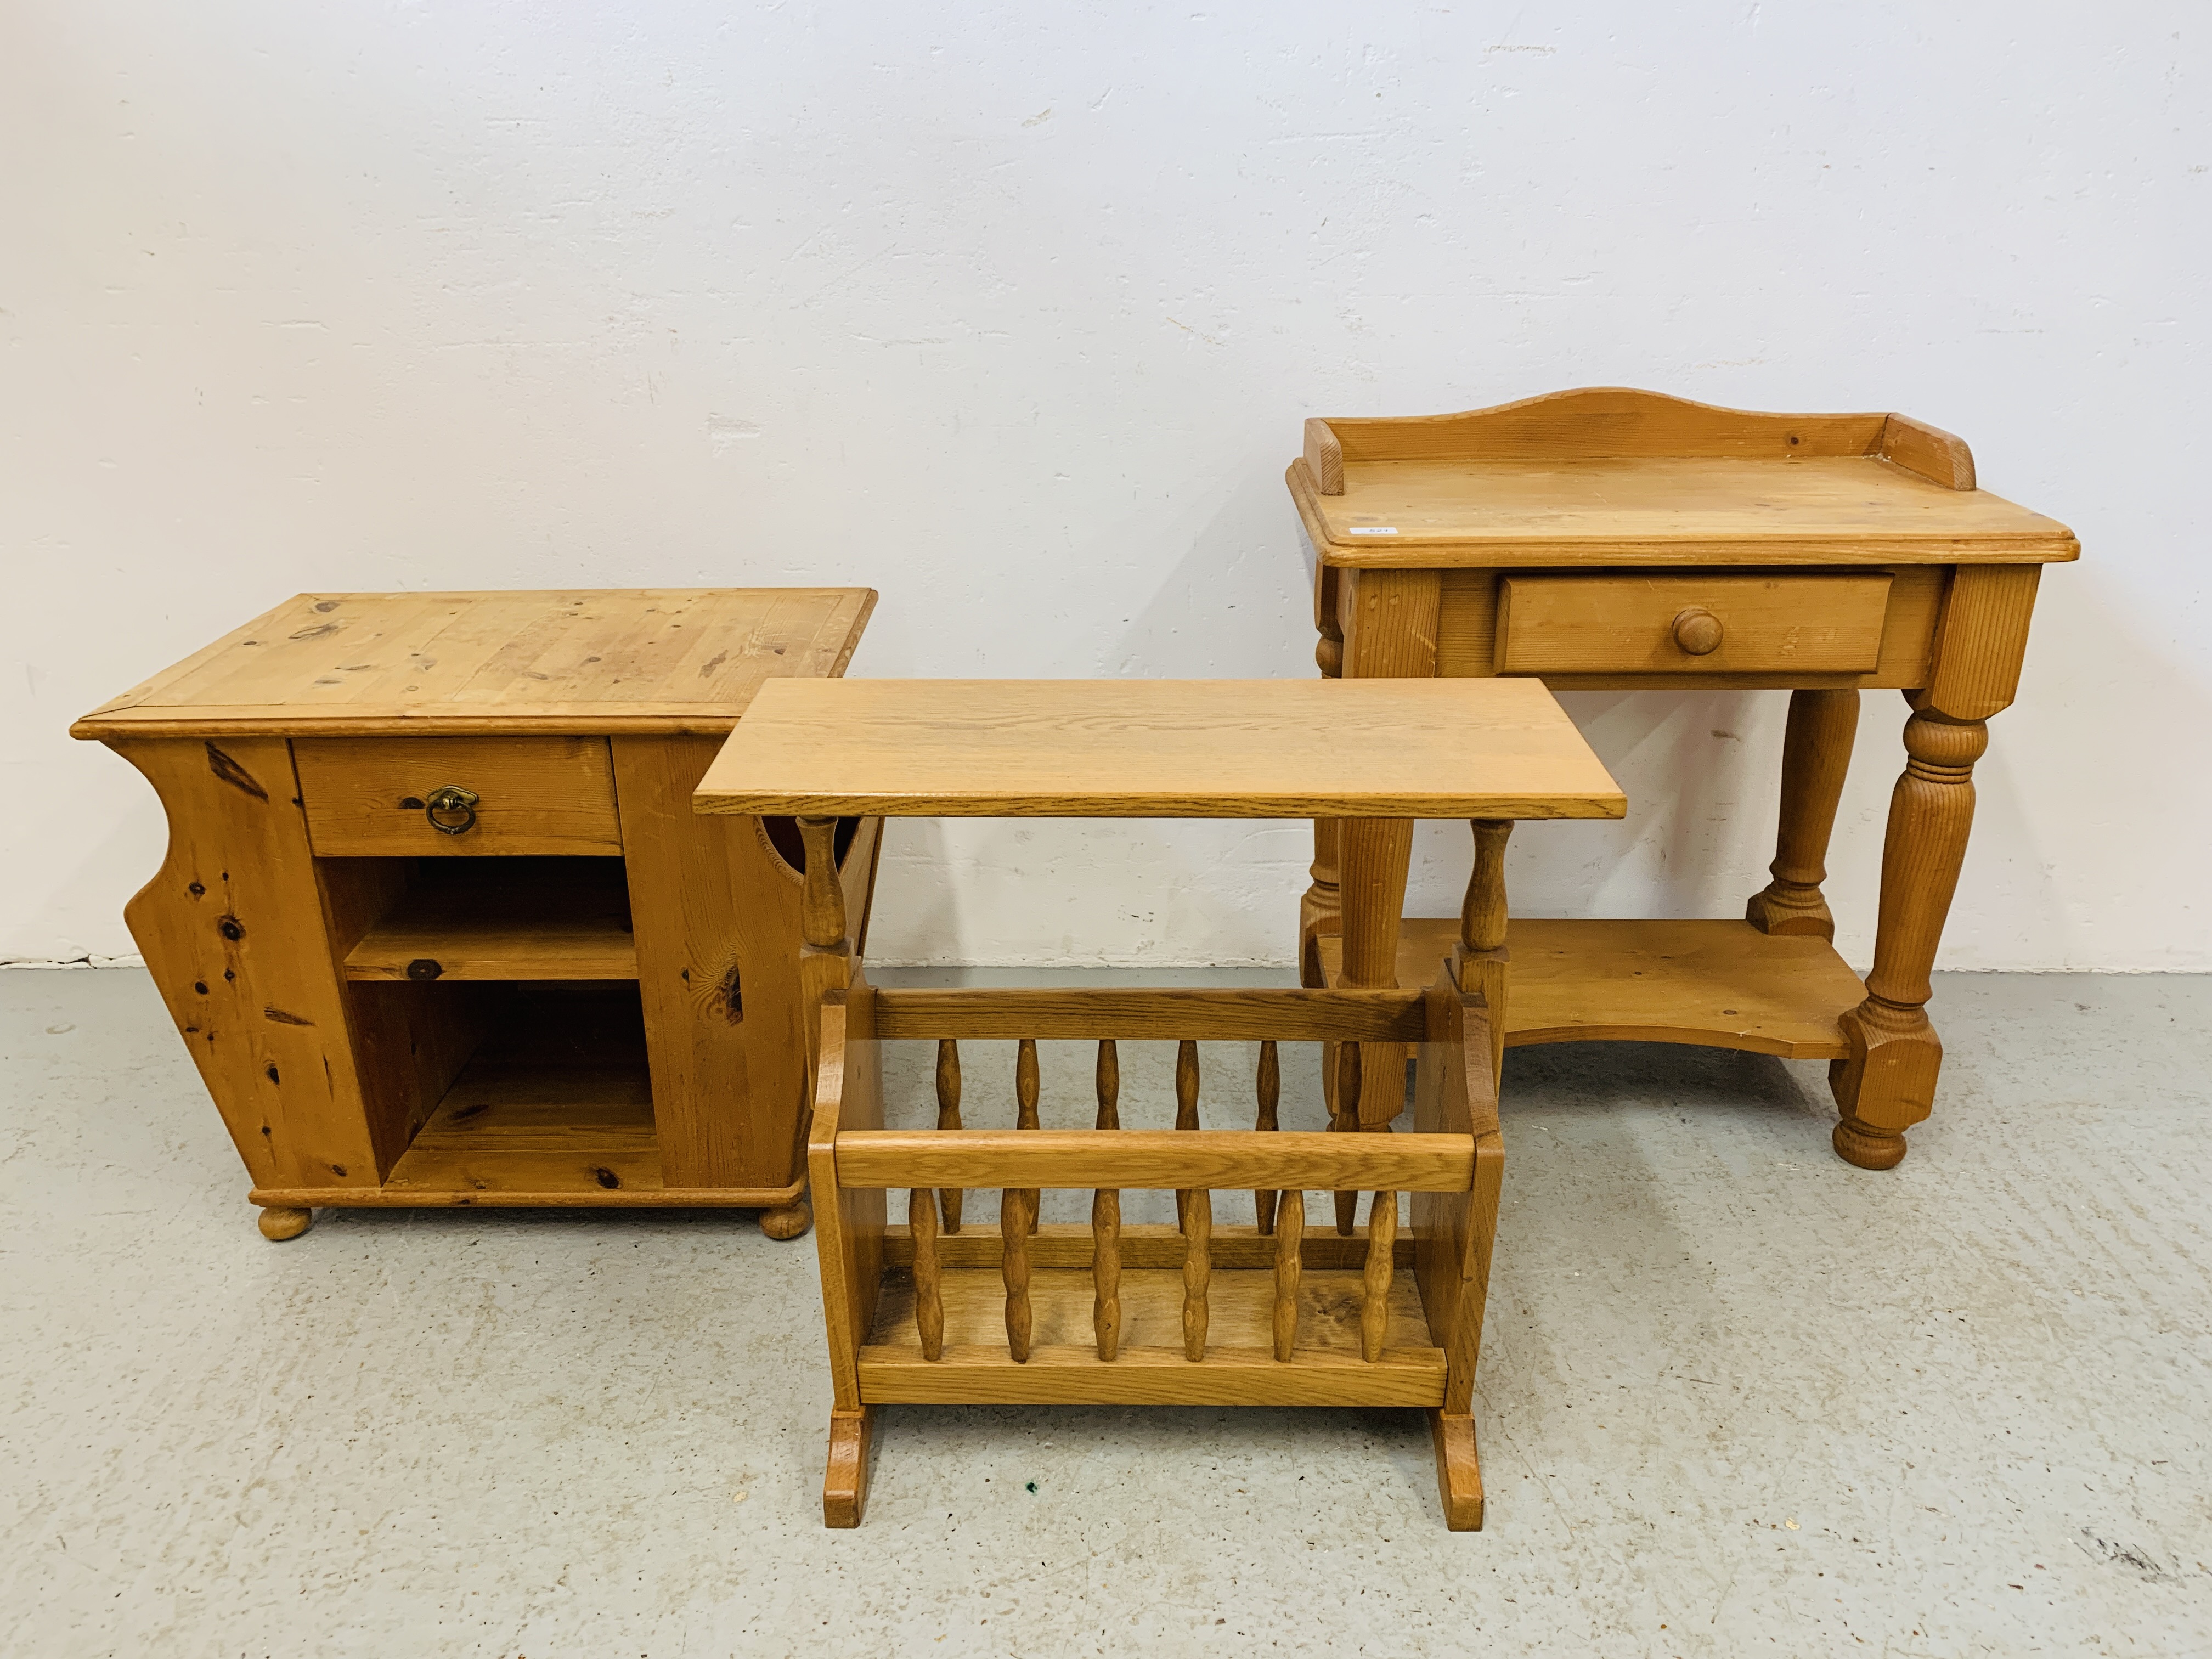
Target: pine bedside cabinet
[(437, 922), (1613, 539), (1193, 1314)]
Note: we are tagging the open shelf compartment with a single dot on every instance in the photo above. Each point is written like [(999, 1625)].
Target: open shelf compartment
[(503, 918), (554, 1105)]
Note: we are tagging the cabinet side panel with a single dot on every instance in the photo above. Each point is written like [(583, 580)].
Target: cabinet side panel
[(232, 928), (716, 919)]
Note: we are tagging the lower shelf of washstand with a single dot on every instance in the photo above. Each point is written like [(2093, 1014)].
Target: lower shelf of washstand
[(1719, 984), (1064, 1369)]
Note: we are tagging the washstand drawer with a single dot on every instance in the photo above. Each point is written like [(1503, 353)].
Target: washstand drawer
[(412, 796), (1691, 624)]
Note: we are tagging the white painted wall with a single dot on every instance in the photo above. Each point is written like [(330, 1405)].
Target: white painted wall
[(1012, 312)]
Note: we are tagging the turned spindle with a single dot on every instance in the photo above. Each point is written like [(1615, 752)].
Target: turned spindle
[(1197, 1270), (1323, 902), (1025, 1102), (1482, 913), (1344, 1119), (1106, 1271), (1106, 1217), (1290, 1264), (948, 1117), (1109, 1085), (825, 954), (928, 1282), (822, 895), (1025, 1084), (1270, 1086), (1185, 1110), (1017, 1216), (1375, 1298)]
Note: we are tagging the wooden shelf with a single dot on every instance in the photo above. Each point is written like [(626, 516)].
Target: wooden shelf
[(504, 919), (510, 1128), (1239, 1367), (1715, 984), (554, 1109)]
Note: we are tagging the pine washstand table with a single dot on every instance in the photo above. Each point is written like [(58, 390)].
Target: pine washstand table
[(1613, 539)]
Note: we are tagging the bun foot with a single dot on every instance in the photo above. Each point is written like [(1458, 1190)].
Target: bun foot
[(1870, 1149), (283, 1224), (789, 1222)]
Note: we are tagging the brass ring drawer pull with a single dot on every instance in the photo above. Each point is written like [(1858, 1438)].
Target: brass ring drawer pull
[(454, 801), (1697, 631)]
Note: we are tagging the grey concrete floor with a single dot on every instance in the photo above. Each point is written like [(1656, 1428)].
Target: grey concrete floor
[(1735, 1397)]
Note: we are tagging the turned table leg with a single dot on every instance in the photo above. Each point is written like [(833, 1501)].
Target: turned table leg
[(1816, 752), (1322, 908), (1886, 1083)]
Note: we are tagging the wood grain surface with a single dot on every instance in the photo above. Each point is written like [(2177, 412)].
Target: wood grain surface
[(1240, 1367), (539, 796), (1472, 613), (1109, 1012), (1717, 984), (1634, 477), (231, 926), (511, 919), (1160, 748), (1066, 1245), (512, 663), (1595, 624), (716, 913), (1161, 1159)]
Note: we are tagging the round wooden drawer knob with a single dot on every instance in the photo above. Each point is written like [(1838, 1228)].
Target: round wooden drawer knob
[(1697, 631)]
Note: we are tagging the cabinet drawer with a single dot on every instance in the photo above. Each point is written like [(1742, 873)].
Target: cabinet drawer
[(370, 796), (1691, 624)]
